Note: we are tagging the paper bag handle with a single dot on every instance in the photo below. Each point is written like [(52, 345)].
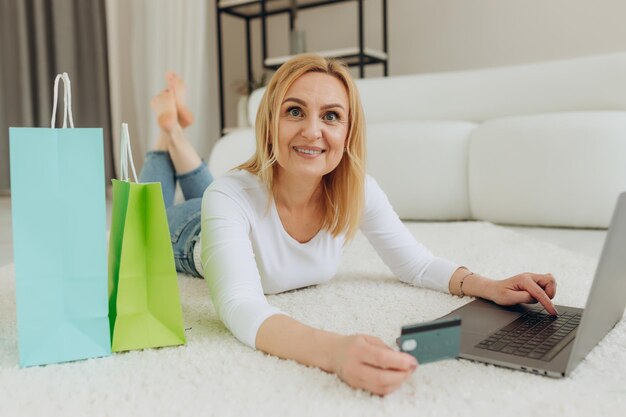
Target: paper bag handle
[(126, 154), (67, 100)]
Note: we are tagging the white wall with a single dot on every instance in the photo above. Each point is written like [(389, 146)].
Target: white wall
[(431, 35), (444, 35)]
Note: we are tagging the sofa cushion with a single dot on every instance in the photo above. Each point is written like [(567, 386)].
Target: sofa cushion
[(560, 169), (422, 167)]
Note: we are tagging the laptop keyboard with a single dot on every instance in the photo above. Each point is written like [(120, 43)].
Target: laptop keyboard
[(536, 335)]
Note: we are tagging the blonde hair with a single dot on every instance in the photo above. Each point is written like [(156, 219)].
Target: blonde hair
[(344, 187)]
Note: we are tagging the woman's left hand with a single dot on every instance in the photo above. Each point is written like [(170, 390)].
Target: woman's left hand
[(525, 288)]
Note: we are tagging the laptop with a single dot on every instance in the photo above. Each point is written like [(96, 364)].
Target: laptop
[(527, 338)]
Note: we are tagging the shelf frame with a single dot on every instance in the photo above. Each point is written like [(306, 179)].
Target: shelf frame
[(248, 10)]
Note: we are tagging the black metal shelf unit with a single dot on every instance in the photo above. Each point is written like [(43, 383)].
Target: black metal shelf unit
[(261, 9)]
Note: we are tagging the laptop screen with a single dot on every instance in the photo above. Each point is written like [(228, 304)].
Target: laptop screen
[(607, 297)]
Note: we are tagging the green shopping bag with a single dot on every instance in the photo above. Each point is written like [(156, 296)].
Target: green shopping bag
[(144, 301)]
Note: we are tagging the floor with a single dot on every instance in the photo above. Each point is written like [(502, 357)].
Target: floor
[(6, 237), (587, 242)]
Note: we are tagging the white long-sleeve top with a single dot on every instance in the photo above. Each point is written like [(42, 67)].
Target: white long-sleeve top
[(246, 252)]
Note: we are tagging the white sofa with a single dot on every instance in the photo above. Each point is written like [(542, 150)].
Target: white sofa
[(537, 145)]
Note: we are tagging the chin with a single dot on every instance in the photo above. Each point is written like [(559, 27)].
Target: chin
[(309, 172)]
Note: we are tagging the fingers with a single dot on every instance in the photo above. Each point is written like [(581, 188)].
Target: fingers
[(373, 340), (528, 288), (382, 356), (382, 381), (547, 282), (368, 363), (517, 296), (538, 293)]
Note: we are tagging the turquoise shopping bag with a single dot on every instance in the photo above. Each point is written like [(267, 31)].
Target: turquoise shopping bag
[(59, 239)]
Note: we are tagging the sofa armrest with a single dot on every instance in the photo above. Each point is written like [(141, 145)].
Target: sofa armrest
[(233, 149)]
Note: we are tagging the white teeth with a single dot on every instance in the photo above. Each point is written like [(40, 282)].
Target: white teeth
[(309, 151)]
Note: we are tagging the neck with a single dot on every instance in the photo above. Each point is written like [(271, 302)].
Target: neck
[(295, 193)]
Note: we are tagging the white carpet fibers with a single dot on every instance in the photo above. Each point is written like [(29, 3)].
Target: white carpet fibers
[(214, 374)]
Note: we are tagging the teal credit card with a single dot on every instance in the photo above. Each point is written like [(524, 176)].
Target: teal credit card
[(432, 341)]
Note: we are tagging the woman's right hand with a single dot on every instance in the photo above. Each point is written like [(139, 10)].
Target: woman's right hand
[(366, 362)]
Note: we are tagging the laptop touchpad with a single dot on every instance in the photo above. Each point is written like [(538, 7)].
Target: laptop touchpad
[(487, 320)]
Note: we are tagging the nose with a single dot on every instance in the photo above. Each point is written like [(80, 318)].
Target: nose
[(312, 128)]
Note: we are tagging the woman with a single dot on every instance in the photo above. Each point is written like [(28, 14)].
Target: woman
[(279, 221)]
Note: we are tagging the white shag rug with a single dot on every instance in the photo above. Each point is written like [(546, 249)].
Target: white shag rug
[(215, 375)]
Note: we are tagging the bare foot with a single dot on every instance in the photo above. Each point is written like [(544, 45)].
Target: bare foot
[(164, 105), (177, 85)]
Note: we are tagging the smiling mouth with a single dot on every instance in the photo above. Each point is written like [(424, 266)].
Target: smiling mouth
[(309, 151)]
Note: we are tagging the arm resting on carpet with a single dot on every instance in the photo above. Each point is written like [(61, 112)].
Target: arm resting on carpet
[(287, 338), (361, 361)]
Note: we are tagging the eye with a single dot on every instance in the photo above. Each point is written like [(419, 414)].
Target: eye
[(294, 112), (331, 116)]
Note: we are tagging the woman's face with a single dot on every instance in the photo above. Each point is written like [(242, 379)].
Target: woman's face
[(312, 126)]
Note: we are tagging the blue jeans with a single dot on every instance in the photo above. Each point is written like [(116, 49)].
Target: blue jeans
[(183, 218)]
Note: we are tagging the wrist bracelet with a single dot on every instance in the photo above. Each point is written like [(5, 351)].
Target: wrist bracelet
[(461, 293)]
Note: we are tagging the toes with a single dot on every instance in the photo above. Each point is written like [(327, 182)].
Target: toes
[(163, 94), (176, 83)]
